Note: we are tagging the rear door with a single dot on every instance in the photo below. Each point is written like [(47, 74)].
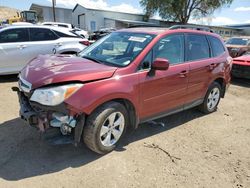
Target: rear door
[(14, 49), (43, 41), (164, 91), (198, 56)]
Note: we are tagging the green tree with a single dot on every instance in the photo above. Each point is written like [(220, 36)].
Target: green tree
[(182, 10)]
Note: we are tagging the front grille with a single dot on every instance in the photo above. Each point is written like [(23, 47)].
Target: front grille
[(241, 67)]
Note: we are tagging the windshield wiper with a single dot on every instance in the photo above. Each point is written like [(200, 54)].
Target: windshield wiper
[(93, 59)]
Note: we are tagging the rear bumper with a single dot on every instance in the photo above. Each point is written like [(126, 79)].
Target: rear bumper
[(40, 117), (241, 71)]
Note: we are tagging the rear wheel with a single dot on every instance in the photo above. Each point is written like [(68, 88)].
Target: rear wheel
[(211, 99), (105, 127)]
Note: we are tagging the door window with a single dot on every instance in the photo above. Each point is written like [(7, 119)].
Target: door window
[(41, 34), (197, 47), (171, 48), (147, 61), (217, 46), (14, 35)]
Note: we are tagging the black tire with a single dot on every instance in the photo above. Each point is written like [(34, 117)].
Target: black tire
[(96, 120), (204, 107)]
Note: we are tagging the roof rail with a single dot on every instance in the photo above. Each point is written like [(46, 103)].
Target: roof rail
[(142, 25), (194, 27)]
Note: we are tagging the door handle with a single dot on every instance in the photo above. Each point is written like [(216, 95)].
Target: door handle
[(212, 66), (21, 46), (183, 74)]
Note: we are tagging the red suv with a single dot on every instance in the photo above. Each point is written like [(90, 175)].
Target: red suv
[(126, 78)]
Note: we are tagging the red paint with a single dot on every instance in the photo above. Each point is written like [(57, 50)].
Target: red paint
[(150, 95), (242, 60)]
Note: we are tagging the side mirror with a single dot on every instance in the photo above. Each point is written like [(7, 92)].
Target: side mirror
[(160, 64)]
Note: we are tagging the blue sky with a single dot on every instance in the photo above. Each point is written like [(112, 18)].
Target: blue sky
[(238, 12)]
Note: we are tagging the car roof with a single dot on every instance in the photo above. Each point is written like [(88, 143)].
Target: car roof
[(162, 31), (59, 29), (56, 23)]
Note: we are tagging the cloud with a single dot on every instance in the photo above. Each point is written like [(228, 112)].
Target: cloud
[(98, 4), (242, 9), (223, 21)]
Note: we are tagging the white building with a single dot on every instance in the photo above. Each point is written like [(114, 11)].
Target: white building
[(94, 19), (45, 13)]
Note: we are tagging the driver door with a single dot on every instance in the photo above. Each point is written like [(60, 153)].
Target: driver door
[(163, 92)]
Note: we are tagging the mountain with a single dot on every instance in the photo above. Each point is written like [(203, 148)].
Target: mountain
[(6, 12)]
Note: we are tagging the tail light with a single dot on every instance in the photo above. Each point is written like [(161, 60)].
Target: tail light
[(85, 42)]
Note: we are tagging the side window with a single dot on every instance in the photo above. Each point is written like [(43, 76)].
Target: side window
[(41, 34), (216, 45), (197, 47), (171, 48), (14, 35), (147, 61)]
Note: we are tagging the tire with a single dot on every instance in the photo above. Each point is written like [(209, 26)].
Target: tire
[(211, 99), (100, 134)]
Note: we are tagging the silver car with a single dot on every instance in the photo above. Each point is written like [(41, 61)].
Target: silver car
[(20, 44)]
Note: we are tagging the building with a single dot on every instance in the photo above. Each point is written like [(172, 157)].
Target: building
[(45, 13), (94, 19), (244, 27)]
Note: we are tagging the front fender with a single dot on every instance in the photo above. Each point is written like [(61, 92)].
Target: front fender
[(95, 93)]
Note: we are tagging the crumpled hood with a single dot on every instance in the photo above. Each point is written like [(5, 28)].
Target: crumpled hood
[(50, 69)]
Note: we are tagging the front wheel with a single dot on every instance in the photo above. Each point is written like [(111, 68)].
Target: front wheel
[(211, 99), (105, 127)]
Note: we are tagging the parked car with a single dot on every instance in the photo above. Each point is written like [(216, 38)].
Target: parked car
[(96, 35), (238, 46), (72, 28), (126, 78), (20, 44), (59, 24), (81, 32), (241, 67)]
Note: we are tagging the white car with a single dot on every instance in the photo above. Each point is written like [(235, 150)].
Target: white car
[(20, 44), (76, 30)]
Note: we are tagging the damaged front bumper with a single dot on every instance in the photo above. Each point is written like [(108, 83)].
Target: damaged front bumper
[(44, 118)]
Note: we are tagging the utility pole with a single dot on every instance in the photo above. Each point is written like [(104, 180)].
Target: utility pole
[(54, 11)]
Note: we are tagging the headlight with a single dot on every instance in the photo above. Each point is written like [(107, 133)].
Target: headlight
[(52, 96)]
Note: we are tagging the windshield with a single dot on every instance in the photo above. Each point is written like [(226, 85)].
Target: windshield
[(238, 41), (118, 48)]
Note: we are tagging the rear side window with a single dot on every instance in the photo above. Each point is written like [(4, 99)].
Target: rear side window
[(14, 35), (197, 47), (171, 48), (217, 46), (72, 34), (41, 34)]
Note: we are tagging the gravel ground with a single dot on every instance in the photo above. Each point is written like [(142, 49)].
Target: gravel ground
[(192, 150)]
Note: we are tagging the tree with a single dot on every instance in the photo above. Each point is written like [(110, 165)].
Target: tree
[(182, 10)]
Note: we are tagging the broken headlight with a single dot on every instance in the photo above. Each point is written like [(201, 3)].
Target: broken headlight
[(52, 96)]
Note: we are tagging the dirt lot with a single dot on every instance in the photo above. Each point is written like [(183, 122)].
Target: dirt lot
[(192, 150)]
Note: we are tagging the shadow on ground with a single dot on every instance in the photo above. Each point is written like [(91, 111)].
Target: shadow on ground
[(241, 82), (8, 78), (24, 155)]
